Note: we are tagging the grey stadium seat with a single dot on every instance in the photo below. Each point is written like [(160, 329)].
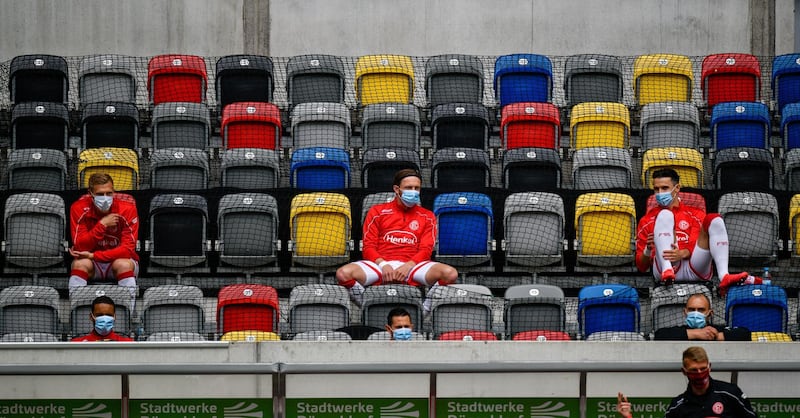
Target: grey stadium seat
[(531, 307), (110, 124), (453, 78), (460, 307), (391, 125), (175, 337), (320, 124), (531, 169), (460, 125), (593, 78), (670, 124), (244, 78), (462, 169), (318, 307), (26, 309), (534, 229), (179, 169), (181, 125), (322, 335), (38, 78), (80, 302), (752, 222), (250, 168), (601, 168), (173, 308), (38, 169), (248, 230), (379, 166), (34, 228), (377, 301), (178, 232), (107, 78), (315, 78), (39, 125)]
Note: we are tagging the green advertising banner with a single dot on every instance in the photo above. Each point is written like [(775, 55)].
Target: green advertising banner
[(61, 408), (357, 408), (656, 407), (776, 408), (507, 407), (200, 408)]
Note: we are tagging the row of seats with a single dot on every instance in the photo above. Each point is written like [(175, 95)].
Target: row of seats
[(252, 311), (320, 224), (391, 78)]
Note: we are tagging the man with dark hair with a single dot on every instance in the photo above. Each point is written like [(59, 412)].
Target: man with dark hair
[(679, 241), (102, 316), (698, 326), (104, 230), (399, 237), (704, 396), (398, 324)]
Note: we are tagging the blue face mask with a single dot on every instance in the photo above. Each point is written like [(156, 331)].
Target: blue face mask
[(402, 334), (410, 197), (664, 199), (695, 320), (103, 324), (103, 203)]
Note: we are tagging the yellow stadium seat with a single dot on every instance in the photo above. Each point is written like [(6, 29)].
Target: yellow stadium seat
[(384, 79), (250, 336), (687, 162), (605, 224), (599, 124), (794, 225), (122, 164), (320, 228), (770, 337), (662, 78)]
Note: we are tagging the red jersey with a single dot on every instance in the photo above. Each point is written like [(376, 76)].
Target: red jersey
[(688, 225), (107, 244), (395, 232), (93, 336)]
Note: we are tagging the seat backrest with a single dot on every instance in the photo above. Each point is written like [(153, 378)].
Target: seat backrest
[(250, 336), (385, 336), (178, 229), (730, 78), (533, 225), (465, 224), (322, 335), (247, 228), (39, 125), (247, 307), (107, 78), (179, 169), (531, 169), (379, 165), (391, 125), (464, 125), (541, 336), (460, 307), (601, 168), (534, 307), (38, 169), (121, 164), (384, 79), (377, 301), (29, 337), (608, 307), (29, 309), (740, 124), (605, 224), (80, 303), (670, 124), (113, 124), (320, 224), (662, 78), (453, 78), (757, 308), (320, 168), (34, 229), (248, 168), (523, 78), (38, 78), (687, 162), (318, 307), (790, 128), (592, 78), (528, 124), (251, 125), (743, 168), (244, 78), (175, 337), (173, 308), (786, 80), (752, 222), (667, 303), (615, 336), (181, 124), (177, 78), (461, 169), (599, 124), (467, 335), (373, 199), (315, 78), (321, 124)]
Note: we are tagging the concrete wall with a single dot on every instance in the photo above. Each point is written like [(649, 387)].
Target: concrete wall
[(414, 27)]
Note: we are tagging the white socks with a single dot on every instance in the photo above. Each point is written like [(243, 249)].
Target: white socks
[(718, 245), (664, 237)]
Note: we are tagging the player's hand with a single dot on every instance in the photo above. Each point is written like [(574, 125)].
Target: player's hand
[(81, 254), (402, 272), (676, 254), (388, 274), (708, 333), (110, 220), (623, 406)]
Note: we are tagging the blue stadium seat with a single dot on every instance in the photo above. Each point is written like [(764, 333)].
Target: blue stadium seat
[(320, 168), (608, 307), (790, 128), (757, 308), (786, 80), (523, 78), (740, 124), (465, 222)]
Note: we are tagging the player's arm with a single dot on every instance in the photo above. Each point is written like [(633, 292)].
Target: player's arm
[(644, 246), (370, 236), (128, 225), (84, 235), (427, 240)]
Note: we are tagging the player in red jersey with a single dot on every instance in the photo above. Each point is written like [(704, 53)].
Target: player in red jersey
[(680, 241), (102, 316), (399, 237), (104, 230)]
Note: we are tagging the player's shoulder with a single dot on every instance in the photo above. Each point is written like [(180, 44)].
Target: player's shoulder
[(722, 386)]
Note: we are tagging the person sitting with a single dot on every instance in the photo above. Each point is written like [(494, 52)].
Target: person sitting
[(698, 326), (399, 325), (103, 315)]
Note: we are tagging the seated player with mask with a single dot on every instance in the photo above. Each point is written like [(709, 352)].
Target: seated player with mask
[(698, 325), (398, 325), (102, 316)]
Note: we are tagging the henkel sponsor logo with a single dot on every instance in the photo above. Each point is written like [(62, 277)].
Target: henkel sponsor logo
[(400, 238), (108, 241)]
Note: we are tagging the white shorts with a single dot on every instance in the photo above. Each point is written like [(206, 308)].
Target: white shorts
[(102, 271), (415, 277), (697, 268)]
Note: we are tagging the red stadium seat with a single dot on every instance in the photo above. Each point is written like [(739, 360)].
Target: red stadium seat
[(543, 335), (247, 307), (251, 125), (177, 78), (530, 125), (730, 78), (467, 335)]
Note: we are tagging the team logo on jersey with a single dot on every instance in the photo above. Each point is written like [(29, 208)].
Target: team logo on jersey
[(108, 241), (683, 225), (681, 236), (414, 225), (386, 211), (718, 408), (400, 238)]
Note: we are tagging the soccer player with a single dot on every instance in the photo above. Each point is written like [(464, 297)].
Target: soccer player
[(103, 316), (698, 325), (398, 324)]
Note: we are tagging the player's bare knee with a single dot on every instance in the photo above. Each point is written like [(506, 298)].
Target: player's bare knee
[(121, 265), (449, 275), (344, 274), (83, 265)]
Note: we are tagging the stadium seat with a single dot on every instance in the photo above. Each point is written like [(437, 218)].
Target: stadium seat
[(29, 309), (730, 78), (605, 228), (533, 308), (740, 124), (176, 78), (608, 307), (121, 164), (453, 78), (743, 168), (541, 336), (379, 165), (247, 307), (752, 222), (667, 303), (770, 337), (315, 78), (181, 125), (601, 168), (592, 78), (179, 169), (686, 198), (460, 307), (80, 307), (460, 125), (794, 225), (318, 307), (385, 336), (791, 166), (467, 335), (373, 199), (250, 168), (38, 78), (759, 308), (173, 308), (175, 337), (384, 79), (37, 169), (599, 124), (790, 128), (687, 162), (244, 78), (317, 124), (466, 225), (377, 301), (391, 125), (460, 169), (670, 124), (110, 124), (107, 78), (178, 234), (39, 125), (662, 78), (34, 225), (320, 168), (523, 78), (785, 80), (533, 225), (530, 125), (29, 337), (322, 335), (320, 229), (247, 224), (250, 336), (531, 169), (615, 336), (251, 125)]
